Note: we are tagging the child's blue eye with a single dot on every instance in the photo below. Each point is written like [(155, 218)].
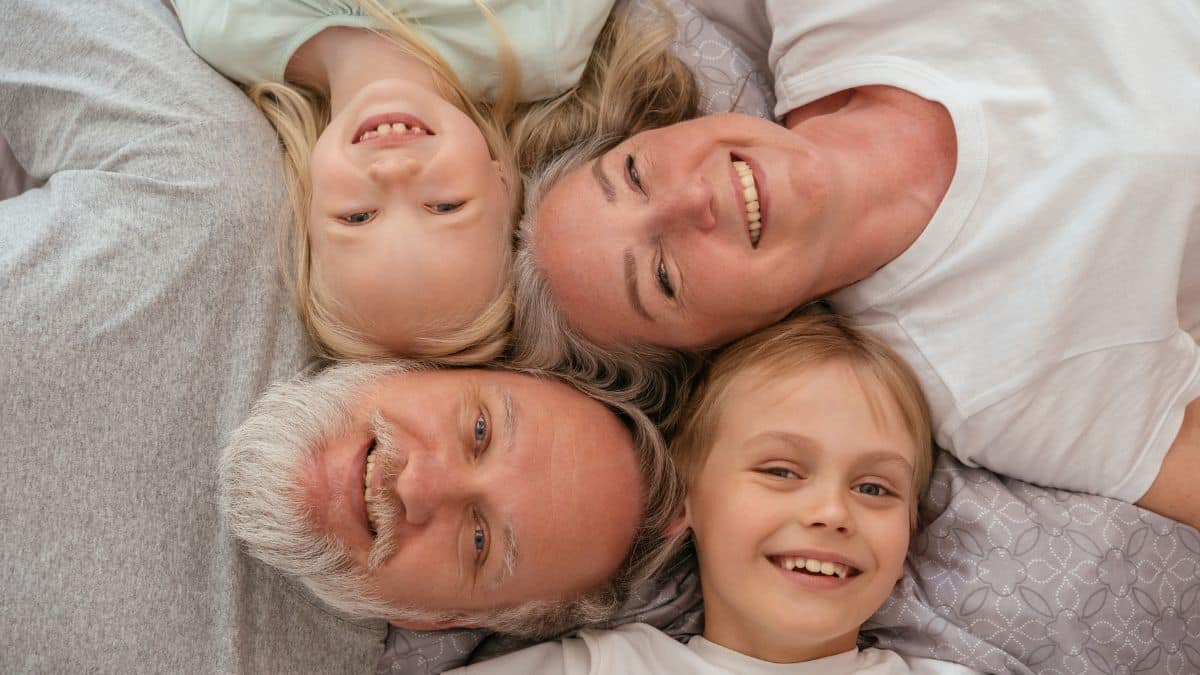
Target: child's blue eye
[(872, 490), (779, 472), (358, 217), (442, 208)]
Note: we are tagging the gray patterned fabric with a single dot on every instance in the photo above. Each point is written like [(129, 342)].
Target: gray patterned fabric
[(1004, 577), (1010, 577)]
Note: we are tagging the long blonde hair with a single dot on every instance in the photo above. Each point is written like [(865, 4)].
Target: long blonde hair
[(300, 113)]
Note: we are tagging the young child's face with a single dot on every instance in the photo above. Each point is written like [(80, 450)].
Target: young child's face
[(802, 469), (409, 228)]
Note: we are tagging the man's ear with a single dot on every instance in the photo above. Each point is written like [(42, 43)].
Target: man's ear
[(432, 625)]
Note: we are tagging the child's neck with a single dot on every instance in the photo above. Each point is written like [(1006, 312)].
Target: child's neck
[(755, 640), (340, 61)]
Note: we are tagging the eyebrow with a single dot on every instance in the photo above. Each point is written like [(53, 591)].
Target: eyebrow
[(871, 457), (631, 285), (606, 186), (508, 563)]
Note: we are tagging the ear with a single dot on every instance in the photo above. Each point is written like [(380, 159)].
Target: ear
[(432, 625), (679, 523), (500, 170)]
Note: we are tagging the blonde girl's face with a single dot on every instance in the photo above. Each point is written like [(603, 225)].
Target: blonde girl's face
[(409, 223), (801, 511)]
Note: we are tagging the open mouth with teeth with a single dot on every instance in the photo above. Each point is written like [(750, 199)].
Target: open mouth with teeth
[(367, 473), (392, 126), (813, 567), (750, 196)]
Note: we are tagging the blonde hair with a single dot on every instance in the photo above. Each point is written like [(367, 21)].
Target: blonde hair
[(633, 82), (300, 113), (810, 338)]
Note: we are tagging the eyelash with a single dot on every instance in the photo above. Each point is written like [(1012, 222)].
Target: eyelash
[(434, 208), (632, 174), (663, 277), (348, 218), (883, 492)]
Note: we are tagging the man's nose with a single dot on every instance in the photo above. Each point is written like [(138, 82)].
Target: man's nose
[(394, 168), (428, 483), (688, 207)]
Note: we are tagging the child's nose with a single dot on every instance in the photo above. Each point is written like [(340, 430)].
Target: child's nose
[(397, 168)]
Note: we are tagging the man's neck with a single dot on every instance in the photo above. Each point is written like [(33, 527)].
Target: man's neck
[(342, 60), (893, 156)]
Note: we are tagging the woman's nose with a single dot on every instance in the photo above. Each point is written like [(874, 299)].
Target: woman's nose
[(688, 207), (394, 168)]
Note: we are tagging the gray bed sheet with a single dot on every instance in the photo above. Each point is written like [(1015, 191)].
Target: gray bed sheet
[(1005, 577)]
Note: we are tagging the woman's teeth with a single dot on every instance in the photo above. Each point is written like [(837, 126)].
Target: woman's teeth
[(386, 129), (750, 194), (829, 569)]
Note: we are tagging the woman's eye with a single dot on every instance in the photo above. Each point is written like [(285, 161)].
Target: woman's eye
[(632, 174), (442, 208), (779, 472), (664, 279), (358, 217), (480, 430), (872, 490)]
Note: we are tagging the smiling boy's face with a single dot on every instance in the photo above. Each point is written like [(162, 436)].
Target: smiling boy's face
[(808, 470)]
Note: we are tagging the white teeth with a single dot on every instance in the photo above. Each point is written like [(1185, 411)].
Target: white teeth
[(750, 195), (386, 129), (829, 569)]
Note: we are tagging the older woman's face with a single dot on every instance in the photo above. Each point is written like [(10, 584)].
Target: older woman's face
[(688, 236)]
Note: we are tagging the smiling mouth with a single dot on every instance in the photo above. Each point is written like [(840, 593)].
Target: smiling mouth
[(391, 126), (814, 567), (752, 211), (367, 473)]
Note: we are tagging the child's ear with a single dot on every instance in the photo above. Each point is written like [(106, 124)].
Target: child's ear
[(432, 625), (681, 522)]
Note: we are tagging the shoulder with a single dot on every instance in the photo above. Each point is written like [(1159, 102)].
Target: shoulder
[(885, 661)]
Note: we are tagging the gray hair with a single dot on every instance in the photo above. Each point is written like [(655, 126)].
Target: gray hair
[(264, 508), (647, 376)]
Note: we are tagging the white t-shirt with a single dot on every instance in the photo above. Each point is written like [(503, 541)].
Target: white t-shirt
[(1042, 305), (637, 649), (252, 40)]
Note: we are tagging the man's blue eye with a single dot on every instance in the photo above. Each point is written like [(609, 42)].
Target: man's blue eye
[(481, 429), (480, 539)]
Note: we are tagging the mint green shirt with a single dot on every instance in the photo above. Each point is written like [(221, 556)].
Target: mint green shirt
[(253, 40)]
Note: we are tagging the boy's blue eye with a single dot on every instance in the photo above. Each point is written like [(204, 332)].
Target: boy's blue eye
[(779, 472), (872, 490)]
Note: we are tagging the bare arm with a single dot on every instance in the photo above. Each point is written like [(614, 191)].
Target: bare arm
[(1175, 493)]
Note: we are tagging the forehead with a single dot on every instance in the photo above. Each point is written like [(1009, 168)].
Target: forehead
[(836, 403)]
